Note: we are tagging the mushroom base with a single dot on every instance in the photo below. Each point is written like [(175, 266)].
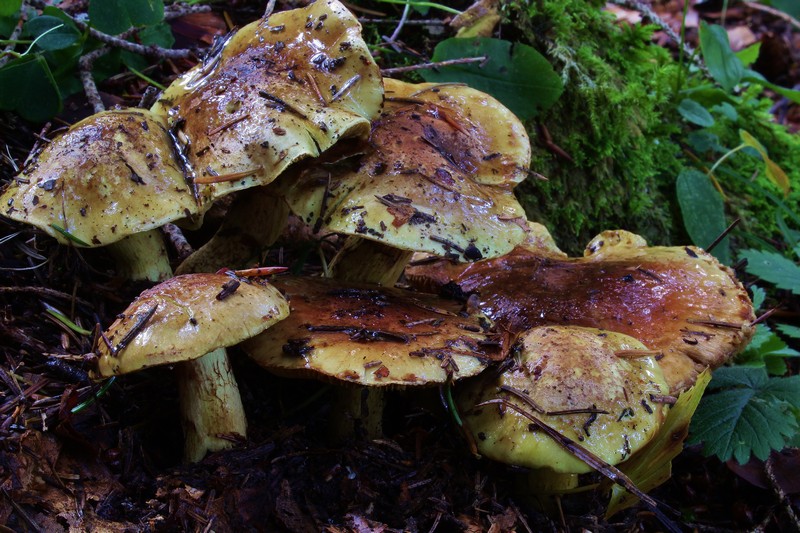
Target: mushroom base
[(357, 411)]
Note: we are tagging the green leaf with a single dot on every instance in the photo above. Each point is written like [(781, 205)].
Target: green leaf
[(790, 331), (709, 96), (773, 268), (9, 7), (51, 33), (159, 34), (704, 141), (695, 113), (774, 172), (755, 77), (790, 7), (28, 87), (516, 74), (749, 55), (750, 414), (703, 211), (116, 16), (767, 349), (759, 295), (727, 110), (722, 63)]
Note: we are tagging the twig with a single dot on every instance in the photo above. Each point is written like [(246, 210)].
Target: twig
[(433, 65), (174, 11), (392, 40), (774, 12), (148, 51), (13, 37), (769, 470), (45, 292), (269, 9), (722, 235), (178, 241), (666, 28), (85, 65), (420, 22)]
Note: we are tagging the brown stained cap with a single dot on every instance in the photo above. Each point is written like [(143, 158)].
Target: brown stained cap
[(109, 176), (438, 176), (186, 317), (583, 386), (678, 300), (371, 335), (281, 89), (428, 272)]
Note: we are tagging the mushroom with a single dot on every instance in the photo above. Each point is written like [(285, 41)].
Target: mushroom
[(678, 300), (600, 390), (437, 176), (110, 180), (187, 318), (279, 90), (365, 335)]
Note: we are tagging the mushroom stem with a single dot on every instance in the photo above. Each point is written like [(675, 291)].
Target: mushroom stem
[(357, 410), (368, 261), (253, 223), (543, 487), (210, 403), (212, 413), (141, 256)]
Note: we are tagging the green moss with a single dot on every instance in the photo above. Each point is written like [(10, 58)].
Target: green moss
[(614, 119)]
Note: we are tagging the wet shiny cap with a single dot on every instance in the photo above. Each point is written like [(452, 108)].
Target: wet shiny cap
[(279, 90), (110, 175), (372, 335), (186, 317), (599, 388), (438, 176)]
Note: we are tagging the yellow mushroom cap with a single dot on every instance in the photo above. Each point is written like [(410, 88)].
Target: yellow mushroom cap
[(186, 317), (563, 368), (371, 335), (109, 176), (438, 176), (281, 89)]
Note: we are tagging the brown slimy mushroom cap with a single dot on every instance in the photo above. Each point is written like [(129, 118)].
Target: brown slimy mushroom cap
[(109, 176), (591, 385), (678, 300), (281, 89), (371, 335), (186, 317), (438, 176)]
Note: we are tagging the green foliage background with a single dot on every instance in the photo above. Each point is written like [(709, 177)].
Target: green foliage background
[(618, 120)]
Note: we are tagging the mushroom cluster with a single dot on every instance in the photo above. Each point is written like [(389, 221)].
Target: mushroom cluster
[(591, 349)]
